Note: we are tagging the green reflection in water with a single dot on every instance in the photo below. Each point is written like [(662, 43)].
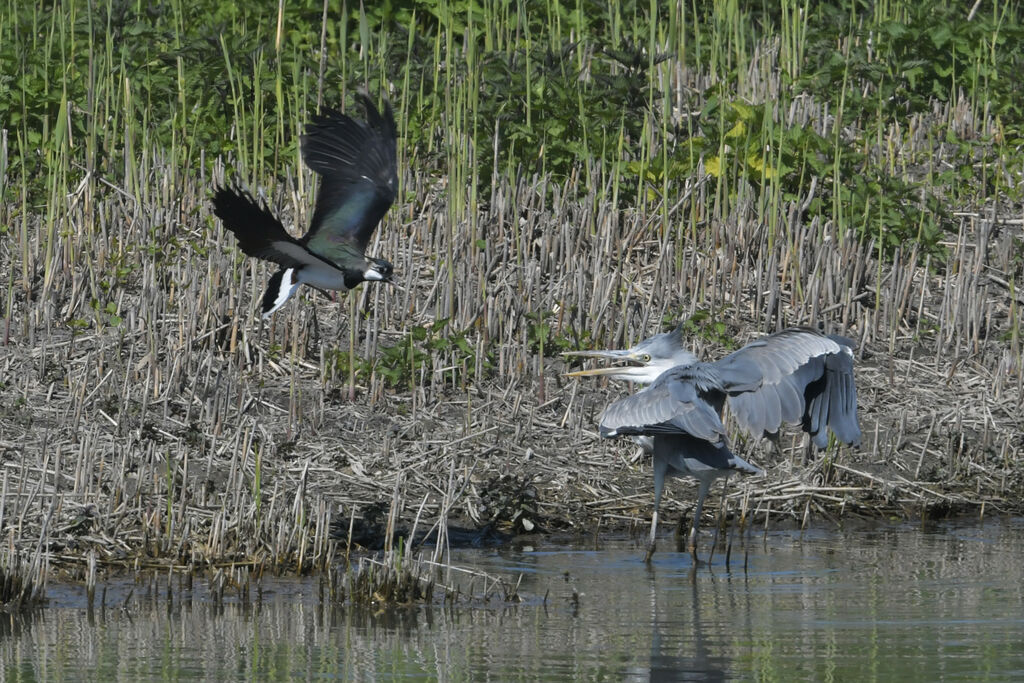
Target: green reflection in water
[(880, 603)]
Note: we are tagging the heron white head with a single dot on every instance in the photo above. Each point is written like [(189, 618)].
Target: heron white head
[(649, 358)]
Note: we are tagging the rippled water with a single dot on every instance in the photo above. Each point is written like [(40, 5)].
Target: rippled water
[(887, 603)]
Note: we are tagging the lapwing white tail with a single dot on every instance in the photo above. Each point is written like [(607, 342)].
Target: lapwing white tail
[(280, 287)]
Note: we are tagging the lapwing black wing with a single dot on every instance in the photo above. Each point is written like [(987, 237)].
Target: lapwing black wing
[(357, 163)]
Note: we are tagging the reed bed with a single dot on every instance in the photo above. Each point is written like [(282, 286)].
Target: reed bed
[(22, 582), (150, 419)]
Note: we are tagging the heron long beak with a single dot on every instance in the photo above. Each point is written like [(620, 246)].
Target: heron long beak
[(614, 354), (597, 372), (611, 354)]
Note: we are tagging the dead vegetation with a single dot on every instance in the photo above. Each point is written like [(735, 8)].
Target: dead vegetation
[(22, 583), (148, 418)]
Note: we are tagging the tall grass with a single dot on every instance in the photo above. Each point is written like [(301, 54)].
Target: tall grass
[(571, 175)]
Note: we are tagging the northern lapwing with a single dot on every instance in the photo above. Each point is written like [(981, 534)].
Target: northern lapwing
[(357, 163)]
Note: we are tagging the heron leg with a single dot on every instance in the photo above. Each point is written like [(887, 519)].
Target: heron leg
[(702, 493), (719, 519), (650, 541), (660, 471), (682, 532), (808, 449)]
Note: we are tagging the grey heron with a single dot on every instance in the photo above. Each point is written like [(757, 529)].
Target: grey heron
[(357, 161), (796, 376)]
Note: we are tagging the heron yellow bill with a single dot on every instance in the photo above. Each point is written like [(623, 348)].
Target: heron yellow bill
[(627, 355)]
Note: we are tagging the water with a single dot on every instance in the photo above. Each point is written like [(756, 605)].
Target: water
[(882, 603)]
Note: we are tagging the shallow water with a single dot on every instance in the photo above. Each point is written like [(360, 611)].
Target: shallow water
[(885, 603)]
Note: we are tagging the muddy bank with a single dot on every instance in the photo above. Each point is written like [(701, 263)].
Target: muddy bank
[(221, 471), (172, 427)]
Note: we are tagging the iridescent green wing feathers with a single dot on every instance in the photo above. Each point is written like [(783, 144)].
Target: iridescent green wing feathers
[(357, 163)]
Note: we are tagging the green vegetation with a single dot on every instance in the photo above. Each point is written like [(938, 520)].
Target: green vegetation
[(702, 325), (402, 364), (573, 174), (550, 88)]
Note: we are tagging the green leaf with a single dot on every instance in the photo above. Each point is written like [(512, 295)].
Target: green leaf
[(713, 165), (941, 35)]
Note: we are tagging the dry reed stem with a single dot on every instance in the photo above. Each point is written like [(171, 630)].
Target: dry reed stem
[(150, 419)]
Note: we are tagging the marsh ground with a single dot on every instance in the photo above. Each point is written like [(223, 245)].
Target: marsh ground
[(149, 418)]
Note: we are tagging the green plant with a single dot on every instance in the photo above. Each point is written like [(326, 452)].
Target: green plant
[(701, 324)]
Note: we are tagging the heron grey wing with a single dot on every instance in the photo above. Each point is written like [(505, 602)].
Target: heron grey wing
[(840, 372), (844, 341), (358, 165), (666, 407), (686, 454), (787, 363), (773, 403), (836, 406), (740, 372), (794, 396), (748, 411), (764, 410), (776, 355), (848, 428)]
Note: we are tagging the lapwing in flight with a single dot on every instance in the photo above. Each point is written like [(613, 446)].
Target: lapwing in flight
[(356, 161)]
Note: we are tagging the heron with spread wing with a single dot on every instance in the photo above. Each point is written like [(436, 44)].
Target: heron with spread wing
[(357, 164), (797, 376)]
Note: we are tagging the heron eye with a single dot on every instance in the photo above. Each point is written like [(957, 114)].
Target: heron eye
[(646, 358)]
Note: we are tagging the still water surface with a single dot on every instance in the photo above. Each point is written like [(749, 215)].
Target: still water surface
[(881, 603)]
